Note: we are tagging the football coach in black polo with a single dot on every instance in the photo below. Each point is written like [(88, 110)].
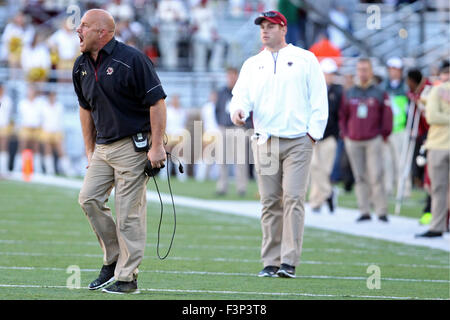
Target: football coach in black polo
[(121, 103)]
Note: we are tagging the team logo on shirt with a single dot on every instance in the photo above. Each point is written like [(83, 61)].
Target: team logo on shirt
[(290, 63), (109, 71)]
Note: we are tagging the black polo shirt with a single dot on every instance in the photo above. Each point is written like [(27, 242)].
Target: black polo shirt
[(118, 89)]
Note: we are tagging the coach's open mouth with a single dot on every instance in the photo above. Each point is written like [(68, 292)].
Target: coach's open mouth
[(81, 40)]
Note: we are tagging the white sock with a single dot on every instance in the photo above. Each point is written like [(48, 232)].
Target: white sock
[(37, 163), (17, 162), (49, 165), (65, 166), (4, 162), (200, 171)]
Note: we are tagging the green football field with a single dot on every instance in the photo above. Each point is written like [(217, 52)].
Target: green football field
[(44, 236)]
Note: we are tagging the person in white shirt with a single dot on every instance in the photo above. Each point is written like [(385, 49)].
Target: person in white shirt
[(52, 135), (176, 131), (5, 128), (205, 37), (120, 10), (211, 135), (15, 36), (171, 14), (65, 45), (36, 61), (29, 128), (285, 88)]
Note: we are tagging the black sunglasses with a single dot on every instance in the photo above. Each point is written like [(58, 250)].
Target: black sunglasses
[(269, 14)]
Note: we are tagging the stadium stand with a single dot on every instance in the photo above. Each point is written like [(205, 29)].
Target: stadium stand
[(417, 31)]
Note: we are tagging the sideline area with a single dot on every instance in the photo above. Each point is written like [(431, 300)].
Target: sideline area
[(398, 229)]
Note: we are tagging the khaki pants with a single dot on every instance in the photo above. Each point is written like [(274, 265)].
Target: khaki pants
[(438, 166), (366, 160), (282, 181), (117, 165), (322, 162)]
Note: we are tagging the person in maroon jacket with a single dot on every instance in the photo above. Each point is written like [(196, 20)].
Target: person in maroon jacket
[(365, 122)]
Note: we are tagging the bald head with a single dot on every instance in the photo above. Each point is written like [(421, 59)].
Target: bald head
[(96, 29), (102, 18)]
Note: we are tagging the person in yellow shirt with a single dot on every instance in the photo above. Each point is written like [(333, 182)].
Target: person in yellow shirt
[(437, 113)]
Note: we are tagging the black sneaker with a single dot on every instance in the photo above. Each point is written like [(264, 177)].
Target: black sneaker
[(269, 271), (383, 218), (364, 217), (331, 201), (105, 277), (123, 287), (429, 234), (286, 271)]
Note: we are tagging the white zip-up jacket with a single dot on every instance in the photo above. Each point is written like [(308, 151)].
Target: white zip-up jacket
[(286, 92)]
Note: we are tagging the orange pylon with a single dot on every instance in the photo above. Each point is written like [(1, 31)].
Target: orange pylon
[(27, 164)]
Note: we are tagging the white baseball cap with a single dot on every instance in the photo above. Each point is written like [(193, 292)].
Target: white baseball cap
[(395, 62), (328, 65)]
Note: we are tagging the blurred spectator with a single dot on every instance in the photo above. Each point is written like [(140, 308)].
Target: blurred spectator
[(29, 128), (296, 18), (225, 125), (323, 153), (442, 75), (129, 31), (205, 39), (120, 10), (341, 167), (325, 49), (36, 61), (211, 133), (5, 129), (176, 131), (316, 23), (171, 14), (64, 46), (419, 86), (365, 121), (38, 12), (438, 145), (17, 34), (52, 136), (395, 86), (348, 81)]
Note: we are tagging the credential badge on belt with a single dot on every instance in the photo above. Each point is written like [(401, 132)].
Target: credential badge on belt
[(140, 142)]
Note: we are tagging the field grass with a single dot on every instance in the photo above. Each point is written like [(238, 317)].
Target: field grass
[(412, 206), (215, 256)]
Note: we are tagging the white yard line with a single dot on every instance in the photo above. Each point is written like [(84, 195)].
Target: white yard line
[(399, 229), (229, 274), (229, 260), (198, 246)]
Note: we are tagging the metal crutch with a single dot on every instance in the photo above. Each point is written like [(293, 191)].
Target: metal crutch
[(407, 152)]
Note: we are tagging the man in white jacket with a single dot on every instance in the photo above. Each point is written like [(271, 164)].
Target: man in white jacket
[(285, 88)]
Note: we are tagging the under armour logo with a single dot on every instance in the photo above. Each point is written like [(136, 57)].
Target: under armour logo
[(83, 73)]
